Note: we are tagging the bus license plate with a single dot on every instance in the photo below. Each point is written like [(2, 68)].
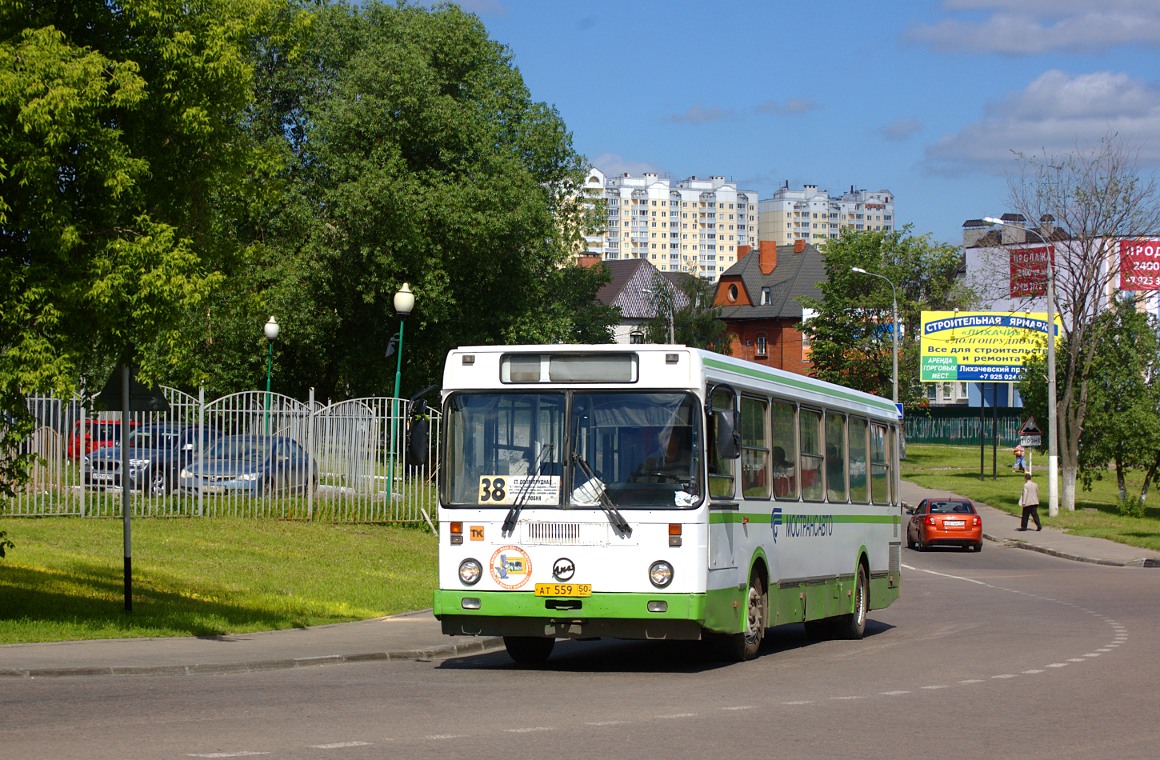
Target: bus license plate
[(563, 589)]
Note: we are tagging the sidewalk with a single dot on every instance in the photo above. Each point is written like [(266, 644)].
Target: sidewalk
[(412, 636), (417, 635)]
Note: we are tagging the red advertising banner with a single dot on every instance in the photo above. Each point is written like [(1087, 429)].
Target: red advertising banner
[(1029, 271), (1140, 265)]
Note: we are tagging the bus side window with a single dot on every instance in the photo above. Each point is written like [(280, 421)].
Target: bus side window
[(785, 450), (859, 466), (722, 404), (835, 457), (810, 435), (755, 480)]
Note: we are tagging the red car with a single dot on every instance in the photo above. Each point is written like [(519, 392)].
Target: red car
[(98, 433), (945, 522)]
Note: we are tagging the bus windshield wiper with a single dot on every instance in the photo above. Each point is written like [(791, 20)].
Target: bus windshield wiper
[(513, 515), (602, 498)]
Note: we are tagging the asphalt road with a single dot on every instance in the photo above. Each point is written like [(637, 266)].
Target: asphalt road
[(1006, 653)]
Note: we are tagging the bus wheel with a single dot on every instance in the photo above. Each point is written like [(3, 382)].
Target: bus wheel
[(529, 650), (853, 626), (745, 645)]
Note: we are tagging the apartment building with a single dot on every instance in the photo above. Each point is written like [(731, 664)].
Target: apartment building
[(693, 225), (812, 215)]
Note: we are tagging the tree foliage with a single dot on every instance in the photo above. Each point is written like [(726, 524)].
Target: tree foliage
[(412, 152), (1094, 197), (695, 320), (117, 123), (1123, 429), (851, 330)]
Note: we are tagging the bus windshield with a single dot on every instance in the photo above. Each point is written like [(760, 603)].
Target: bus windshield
[(571, 450)]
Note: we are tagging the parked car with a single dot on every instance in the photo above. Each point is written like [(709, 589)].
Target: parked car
[(252, 464), (945, 522), (97, 434), (157, 454)]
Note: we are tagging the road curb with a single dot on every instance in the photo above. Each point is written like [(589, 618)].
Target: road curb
[(1019, 544), (427, 653)]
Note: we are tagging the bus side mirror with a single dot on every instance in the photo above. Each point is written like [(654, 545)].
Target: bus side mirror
[(728, 436), (417, 439)]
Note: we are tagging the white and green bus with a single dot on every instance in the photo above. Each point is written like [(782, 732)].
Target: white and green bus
[(659, 492)]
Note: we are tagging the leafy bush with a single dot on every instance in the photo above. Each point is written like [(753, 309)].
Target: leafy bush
[(1131, 506), (5, 543)]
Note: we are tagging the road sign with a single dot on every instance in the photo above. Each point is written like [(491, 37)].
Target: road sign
[(899, 405), (1031, 441), (1029, 428), (141, 397)]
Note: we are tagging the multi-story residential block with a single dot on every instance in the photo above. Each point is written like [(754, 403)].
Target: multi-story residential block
[(693, 225), (812, 215)]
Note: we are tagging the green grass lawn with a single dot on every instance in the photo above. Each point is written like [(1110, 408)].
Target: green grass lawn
[(64, 580), (956, 469)]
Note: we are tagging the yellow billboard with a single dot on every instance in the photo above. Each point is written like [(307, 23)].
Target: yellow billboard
[(980, 346)]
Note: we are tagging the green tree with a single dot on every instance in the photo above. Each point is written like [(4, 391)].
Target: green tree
[(1087, 202), (696, 321), (117, 123), (1124, 389), (413, 153), (851, 331)]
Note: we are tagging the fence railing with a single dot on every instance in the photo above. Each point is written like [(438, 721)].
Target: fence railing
[(250, 454), (961, 427)]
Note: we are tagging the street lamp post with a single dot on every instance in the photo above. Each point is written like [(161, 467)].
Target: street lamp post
[(404, 302), (650, 291), (1052, 425), (894, 308), (271, 330)]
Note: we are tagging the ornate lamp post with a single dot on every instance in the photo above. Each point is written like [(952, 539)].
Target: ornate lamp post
[(271, 330), (404, 302)]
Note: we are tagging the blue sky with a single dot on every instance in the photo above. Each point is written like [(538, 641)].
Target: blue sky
[(925, 99)]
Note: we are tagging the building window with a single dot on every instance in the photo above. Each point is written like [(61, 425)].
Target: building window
[(766, 296), (636, 336), (761, 345)]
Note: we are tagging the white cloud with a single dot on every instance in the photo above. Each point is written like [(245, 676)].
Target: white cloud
[(1030, 28), (613, 164), (790, 106), (1054, 114), (900, 129), (699, 114)]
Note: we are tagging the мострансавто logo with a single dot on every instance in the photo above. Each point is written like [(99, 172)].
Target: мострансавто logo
[(800, 526)]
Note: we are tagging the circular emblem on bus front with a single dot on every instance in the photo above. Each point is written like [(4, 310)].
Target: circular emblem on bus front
[(563, 569), (511, 567)]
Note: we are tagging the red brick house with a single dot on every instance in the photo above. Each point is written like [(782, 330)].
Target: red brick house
[(758, 299)]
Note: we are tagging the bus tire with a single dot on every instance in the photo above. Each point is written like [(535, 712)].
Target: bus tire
[(853, 625), (529, 650), (743, 646)]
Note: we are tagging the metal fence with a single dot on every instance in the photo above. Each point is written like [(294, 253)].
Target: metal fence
[(251, 454), (961, 427)]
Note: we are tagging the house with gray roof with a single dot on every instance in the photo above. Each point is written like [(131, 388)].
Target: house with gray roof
[(758, 297)]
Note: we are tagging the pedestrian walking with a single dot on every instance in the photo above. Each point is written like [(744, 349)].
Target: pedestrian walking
[(1018, 458), (1029, 500)]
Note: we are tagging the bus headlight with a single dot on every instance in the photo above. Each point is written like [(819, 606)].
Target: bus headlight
[(661, 574), (470, 571)]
